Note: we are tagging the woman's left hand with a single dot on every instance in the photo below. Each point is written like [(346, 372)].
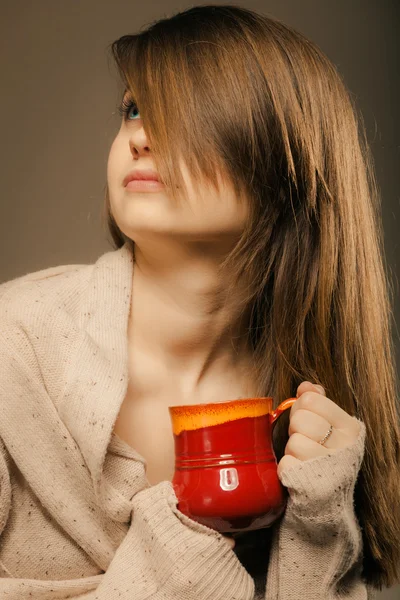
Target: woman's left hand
[(310, 419)]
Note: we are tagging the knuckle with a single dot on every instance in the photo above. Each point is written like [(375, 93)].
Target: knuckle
[(307, 400), (293, 443), (297, 419)]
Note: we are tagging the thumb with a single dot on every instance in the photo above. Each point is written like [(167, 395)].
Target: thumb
[(307, 386)]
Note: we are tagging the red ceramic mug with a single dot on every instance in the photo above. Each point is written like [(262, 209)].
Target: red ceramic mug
[(225, 466)]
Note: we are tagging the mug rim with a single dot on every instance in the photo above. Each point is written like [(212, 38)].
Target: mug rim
[(212, 404), (187, 417)]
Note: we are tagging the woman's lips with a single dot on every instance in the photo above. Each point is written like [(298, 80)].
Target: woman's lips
[(144, 185)]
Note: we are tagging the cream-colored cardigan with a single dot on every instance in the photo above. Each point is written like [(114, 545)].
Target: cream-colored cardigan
[(78, 518)]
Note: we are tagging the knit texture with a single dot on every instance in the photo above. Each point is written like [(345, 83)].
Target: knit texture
[(78, 518)]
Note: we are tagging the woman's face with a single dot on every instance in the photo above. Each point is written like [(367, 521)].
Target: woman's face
[(208, 216)]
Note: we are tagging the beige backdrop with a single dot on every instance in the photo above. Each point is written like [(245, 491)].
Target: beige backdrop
[(58, 115)]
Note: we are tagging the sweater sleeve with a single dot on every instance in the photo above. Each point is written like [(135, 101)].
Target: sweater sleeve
[(316, 550), (164, 556), (168, 556)]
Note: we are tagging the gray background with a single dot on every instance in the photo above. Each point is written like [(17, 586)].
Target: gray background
[(58, 116)]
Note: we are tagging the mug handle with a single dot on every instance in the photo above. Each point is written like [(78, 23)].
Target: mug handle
[(280, 409)]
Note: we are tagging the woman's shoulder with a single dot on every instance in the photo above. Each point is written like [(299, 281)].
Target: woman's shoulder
[(62, 287), (40, 291), (40, 325)]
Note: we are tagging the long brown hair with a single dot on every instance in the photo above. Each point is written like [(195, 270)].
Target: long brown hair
[(231, 89)]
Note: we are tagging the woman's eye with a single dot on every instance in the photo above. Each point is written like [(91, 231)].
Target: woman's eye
[(125, 108)]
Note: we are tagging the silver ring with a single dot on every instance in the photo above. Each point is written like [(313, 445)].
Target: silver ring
[(322, 442)]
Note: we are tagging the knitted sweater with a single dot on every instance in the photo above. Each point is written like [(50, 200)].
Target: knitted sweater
[(78, 517)]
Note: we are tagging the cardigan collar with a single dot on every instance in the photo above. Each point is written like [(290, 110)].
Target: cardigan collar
[(98, 374)]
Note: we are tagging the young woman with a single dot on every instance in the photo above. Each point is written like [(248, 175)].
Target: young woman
[(254, 267)]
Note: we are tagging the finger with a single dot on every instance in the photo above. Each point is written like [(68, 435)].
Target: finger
[(287, 462), (324, 407), (311, 425), (306, 386), (302, 448)]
